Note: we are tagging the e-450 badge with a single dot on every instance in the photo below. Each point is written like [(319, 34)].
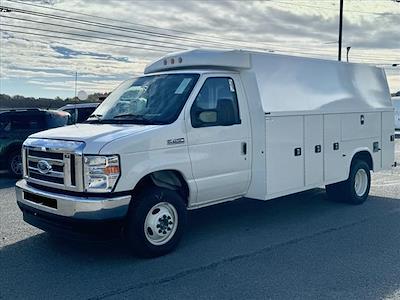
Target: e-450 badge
[(176, 141)]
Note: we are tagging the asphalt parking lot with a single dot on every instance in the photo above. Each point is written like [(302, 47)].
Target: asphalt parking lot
[(295, 247)]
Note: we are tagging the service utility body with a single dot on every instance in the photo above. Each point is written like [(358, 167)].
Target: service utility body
[(202, 127)]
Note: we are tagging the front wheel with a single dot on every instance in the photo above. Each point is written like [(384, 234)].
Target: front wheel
[(355, 189), (14, 162), (155, 222)]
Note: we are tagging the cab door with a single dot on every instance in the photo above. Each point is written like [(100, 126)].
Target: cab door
[(218, 134)]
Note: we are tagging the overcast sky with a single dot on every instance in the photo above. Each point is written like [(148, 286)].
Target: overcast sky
[(42, 66)]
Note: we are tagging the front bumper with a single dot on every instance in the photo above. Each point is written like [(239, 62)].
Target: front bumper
[(77, 207), (70, 228)]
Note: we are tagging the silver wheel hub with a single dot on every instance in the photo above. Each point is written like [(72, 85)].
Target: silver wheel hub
[(361, 182), (16, 164), (161, 223)]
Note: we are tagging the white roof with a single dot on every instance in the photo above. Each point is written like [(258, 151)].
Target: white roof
[(227, 59), (289, 83)]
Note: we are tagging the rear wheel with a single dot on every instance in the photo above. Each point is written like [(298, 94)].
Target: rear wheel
[(355, 189), (15, 163), (155, 222)]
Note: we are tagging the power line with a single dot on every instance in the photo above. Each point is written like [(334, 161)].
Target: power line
[(80, 35), (175, 48), (96, 42), (109, 26), (84, 22), (115, 34), (141, 32), (91, 30), (224, 45), (112, 27), (328, 8), (112, 19), (90, 36), (80, 40), (129, 22)]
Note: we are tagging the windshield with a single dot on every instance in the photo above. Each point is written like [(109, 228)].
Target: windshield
[(156, 99)]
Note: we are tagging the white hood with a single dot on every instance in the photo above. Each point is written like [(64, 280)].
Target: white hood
[(96, 136)]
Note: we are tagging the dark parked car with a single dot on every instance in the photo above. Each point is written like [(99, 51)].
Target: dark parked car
[(16, 125), (79, 112)]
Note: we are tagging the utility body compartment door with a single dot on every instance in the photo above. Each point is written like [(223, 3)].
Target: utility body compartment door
[(284, 153), (335, 168), (314, 152), (357, 126), (387, 143)]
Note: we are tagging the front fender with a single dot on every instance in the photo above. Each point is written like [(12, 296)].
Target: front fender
[(135, 166)]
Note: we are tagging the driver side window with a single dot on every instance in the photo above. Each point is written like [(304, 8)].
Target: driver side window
[(216, 104)]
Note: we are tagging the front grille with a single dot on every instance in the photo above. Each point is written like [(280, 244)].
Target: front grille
[(54, 163), (61, 170)]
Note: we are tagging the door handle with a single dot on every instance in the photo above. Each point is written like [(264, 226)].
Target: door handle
[(244, 148)]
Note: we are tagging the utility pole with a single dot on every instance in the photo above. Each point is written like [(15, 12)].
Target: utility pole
[(340, 31), (394, 66), (76, 83)]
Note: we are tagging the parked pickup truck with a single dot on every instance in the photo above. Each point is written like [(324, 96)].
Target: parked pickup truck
[(203, 127)]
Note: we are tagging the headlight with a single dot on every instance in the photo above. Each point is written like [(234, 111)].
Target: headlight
[(101, 173)]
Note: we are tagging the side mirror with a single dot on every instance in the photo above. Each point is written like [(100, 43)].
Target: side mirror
[(209, 116)]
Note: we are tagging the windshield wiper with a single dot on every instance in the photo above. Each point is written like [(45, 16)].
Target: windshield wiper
[(133, 118), (130, 115), (124, 118), (95, 116)]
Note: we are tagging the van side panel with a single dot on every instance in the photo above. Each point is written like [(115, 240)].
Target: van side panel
[(284, 153)]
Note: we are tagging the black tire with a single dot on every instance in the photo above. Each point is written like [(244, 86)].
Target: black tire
[(134, 230), (345, 191), (13, 159)]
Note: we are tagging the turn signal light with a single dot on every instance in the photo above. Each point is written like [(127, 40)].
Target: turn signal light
[(111, 170)]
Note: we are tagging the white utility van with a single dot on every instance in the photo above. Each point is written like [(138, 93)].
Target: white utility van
[(203, 127)]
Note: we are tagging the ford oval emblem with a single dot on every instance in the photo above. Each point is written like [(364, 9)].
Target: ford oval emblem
[(43, 166)]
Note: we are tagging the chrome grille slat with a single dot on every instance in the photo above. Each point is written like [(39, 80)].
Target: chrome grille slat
[(67, 170), (50, 160), (50, 174)]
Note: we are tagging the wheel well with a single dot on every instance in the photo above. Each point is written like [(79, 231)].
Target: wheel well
[(12, 148), (170, 179), (364, 156)]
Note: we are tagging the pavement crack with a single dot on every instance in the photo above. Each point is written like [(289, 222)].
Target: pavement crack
[(235, 258)]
